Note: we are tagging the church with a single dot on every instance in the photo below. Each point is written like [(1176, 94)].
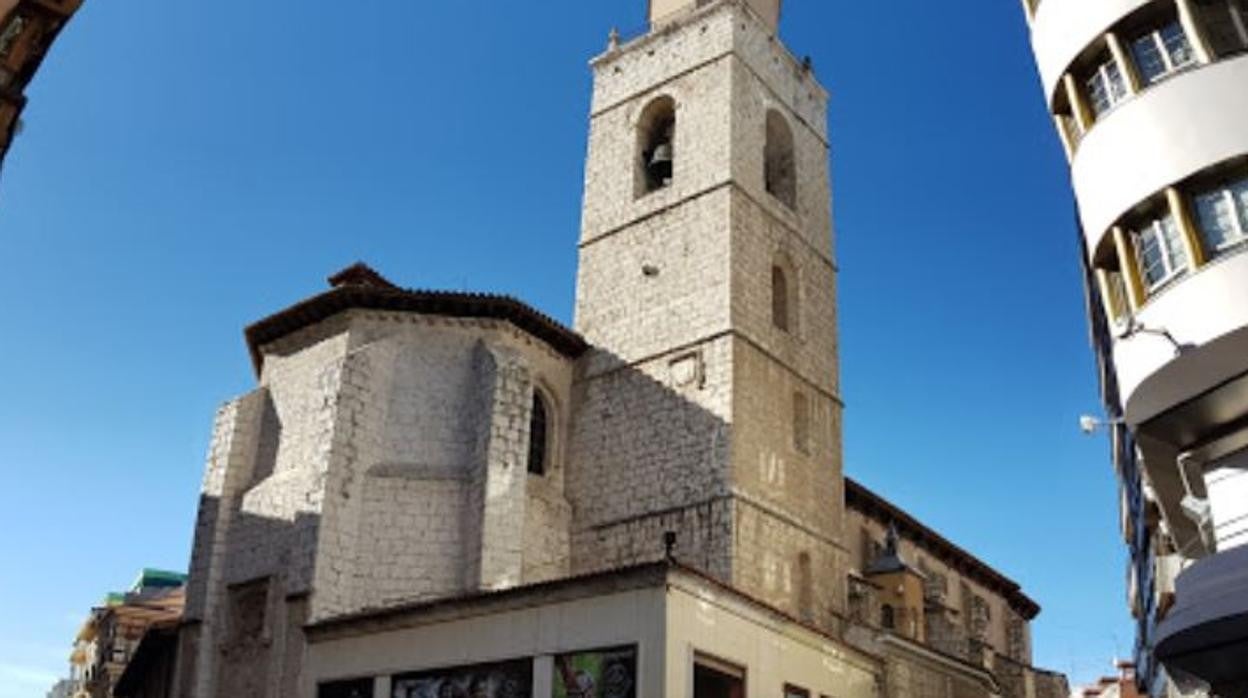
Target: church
[(441, 494)]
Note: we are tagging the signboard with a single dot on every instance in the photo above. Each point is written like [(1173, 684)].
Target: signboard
[(596, 674)]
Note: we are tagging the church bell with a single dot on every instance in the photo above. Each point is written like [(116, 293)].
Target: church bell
[(660, 165)]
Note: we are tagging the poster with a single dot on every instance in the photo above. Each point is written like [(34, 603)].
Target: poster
[(502, 680), (597, 674)]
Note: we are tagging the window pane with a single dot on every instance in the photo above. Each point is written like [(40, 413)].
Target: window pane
[(1239, 191), (1148, 58), (1098, 94), (1151, 260), (1216, 218), (1176, 251), (1106, 87), (1118, 86), (1177, 45)]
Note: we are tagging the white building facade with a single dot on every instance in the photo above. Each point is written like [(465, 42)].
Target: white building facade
[(1150, 100)]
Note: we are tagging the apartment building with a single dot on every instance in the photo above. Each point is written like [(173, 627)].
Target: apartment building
[(1150, 101)]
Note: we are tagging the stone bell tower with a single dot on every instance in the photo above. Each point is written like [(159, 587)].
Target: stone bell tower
[(710, 405)]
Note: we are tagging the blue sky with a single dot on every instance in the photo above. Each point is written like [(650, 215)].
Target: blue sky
[(189, 167)]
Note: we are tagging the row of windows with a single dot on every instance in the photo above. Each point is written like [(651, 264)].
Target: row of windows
[(1156, 55), (1146, 48), (1161, 246), (656, 153)]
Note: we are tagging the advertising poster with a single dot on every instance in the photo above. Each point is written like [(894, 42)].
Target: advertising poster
[(504, 680), (597, 674)]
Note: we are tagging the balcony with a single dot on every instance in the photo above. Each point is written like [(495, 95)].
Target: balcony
[(1205, 636)]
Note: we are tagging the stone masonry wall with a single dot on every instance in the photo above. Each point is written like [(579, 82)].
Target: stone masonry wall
[(651, 438), (658, 284), (430, 486), (405, 468), (796, 96), (625, 82), (502, 491), (704, 539), (690, 396), (788, 566), (343, 484), (398, 567), (793, 492), (958, 595), (907, 678), (231, 460), (809, 348)]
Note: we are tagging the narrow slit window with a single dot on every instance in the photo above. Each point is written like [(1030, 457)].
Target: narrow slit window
[(779, 299), (801, 422), (538, 435), (805, 588)]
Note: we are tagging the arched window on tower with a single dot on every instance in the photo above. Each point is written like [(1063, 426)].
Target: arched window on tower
[(780, 167), (779, 298), (539, 437), (656, 146), (888, 617)]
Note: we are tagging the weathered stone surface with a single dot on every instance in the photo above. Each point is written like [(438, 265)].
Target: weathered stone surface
[(384, 456)]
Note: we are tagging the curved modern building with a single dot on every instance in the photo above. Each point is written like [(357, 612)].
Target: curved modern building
[(1150, 100)]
